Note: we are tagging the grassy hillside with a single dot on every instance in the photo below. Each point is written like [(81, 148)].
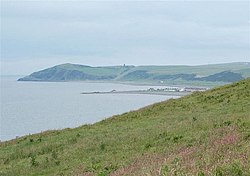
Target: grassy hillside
[(203, 70), (216, 74), (201, 134), (97, 71)]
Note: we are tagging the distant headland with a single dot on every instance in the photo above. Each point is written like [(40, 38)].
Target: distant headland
[(213, 74)]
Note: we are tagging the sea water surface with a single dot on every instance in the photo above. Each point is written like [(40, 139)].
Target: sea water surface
[(32, 107)]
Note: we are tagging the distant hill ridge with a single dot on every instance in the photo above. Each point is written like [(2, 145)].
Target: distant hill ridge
[(224, 73)]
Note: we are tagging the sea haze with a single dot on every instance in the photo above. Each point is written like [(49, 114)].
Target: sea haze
[(32, 107)]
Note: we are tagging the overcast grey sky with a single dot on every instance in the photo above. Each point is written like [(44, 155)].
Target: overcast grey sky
[(40, 34)]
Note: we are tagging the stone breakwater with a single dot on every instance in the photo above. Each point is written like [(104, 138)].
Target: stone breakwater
[(147, 92)]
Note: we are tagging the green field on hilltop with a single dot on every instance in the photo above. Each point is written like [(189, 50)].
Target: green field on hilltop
[(205, 133), (204, 70), (96, 71)]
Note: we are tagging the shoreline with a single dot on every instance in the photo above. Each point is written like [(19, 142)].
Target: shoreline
[(140, 92), (134, 83)]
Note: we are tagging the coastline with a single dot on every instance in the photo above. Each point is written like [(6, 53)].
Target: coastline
[(139, 83), (142, 92)]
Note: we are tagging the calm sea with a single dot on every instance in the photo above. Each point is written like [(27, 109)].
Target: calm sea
[(32, 107)]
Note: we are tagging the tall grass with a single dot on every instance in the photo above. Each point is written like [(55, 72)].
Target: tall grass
[(200, 134)]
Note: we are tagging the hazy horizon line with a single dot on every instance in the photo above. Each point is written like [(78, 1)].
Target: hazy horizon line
[(242, 62)]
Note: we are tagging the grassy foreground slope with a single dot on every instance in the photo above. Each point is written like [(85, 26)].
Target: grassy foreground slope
[(201, 134)]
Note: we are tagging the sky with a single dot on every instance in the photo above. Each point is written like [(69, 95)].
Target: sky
[(40, 34)]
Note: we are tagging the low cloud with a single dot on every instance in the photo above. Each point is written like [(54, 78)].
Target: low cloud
[(106, 33)]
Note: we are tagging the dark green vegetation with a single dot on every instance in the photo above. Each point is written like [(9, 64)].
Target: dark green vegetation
[(201, 134), (216, 74)]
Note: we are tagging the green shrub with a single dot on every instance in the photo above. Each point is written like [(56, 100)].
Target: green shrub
[(201, 174), (39, 139), (177, 138), (236, 169), (164, 170), (102, 146), (148, 145), (57, 162), (54, 154), (33, 161)]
